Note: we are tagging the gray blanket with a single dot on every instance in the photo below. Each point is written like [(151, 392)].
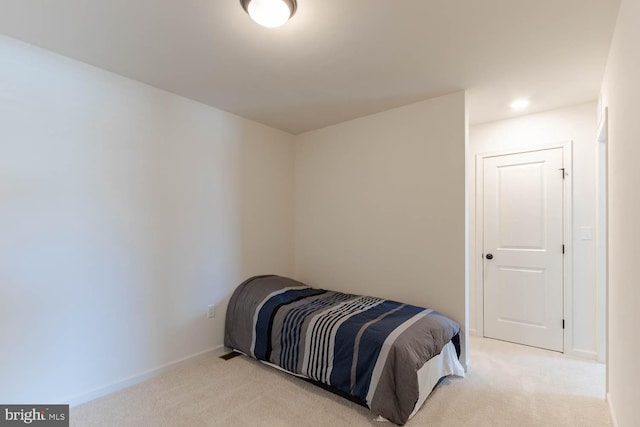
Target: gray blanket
[(367, 348)]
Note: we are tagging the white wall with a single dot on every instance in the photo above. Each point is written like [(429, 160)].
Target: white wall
[(621, 93), (124, 212), (380, 205), (577, 124)]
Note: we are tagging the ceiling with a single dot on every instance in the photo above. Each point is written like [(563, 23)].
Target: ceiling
[(335, 60)]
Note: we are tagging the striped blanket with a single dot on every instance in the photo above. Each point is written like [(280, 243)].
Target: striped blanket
[(366, 348)]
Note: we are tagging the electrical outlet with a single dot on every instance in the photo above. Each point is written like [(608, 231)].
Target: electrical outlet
[(211, 311)]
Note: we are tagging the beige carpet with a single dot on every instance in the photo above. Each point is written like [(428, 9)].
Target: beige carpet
[(508, 385)]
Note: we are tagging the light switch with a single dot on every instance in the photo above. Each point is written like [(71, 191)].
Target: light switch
[(586, 233)]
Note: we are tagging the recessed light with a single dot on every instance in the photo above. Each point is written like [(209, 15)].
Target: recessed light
[(519, 104)]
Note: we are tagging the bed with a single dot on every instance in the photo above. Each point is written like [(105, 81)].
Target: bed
[(385, 355)]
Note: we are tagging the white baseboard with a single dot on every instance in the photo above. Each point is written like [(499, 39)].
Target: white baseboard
[(135, 379), (612, 414), (583, 354)]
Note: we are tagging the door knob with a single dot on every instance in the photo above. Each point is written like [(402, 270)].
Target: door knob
[(489, 256)]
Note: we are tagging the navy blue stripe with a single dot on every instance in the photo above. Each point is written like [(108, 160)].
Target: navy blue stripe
[(292, 328), (371, 344), (268, 311), (345, 339), (321, 338), (273, 315), (322, 335)]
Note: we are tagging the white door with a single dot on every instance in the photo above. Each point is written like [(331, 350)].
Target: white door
[(523, 248)]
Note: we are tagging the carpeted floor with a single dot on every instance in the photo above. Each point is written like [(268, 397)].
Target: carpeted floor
[(508, 385)]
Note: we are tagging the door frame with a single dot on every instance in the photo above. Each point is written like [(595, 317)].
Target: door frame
[(602, 242), (567, 200)]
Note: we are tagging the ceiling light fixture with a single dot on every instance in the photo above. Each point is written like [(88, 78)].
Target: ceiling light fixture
[(270, 13), (519, 104)]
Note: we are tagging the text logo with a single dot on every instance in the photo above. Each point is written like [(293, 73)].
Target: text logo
[(36, 415)]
